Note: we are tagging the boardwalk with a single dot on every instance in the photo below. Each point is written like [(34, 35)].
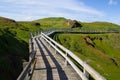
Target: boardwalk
[(51, 61), (50, 65)]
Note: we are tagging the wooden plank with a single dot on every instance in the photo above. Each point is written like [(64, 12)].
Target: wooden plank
[(54, 65), (89, 69)]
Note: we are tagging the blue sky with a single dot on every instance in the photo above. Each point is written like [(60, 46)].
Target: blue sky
[(82, 10)]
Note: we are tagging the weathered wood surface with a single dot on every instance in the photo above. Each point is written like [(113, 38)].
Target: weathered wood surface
[(51, 66), (85, 66)]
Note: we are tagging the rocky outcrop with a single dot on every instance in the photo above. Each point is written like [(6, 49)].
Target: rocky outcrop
[(73, 24), (36, 24)]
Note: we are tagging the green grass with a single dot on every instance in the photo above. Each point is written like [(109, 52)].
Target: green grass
[(102, 51), (102, 26), (60, 22), (53, 22)]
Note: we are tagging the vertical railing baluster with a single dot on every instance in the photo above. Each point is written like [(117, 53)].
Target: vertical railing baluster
[(55, 50), (85, 71), (66, 54)]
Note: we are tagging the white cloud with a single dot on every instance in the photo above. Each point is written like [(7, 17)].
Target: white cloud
[(36, 9), (31, 9), (112, 2)]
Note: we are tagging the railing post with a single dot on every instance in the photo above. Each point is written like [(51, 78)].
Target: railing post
[(31, 42), (34, 34), (49, 46), (37, 32), (29, 72), (85, 72), (66, 58), (55, 50), (32, 46)]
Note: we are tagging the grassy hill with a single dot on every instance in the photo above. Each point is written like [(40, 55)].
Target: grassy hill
[(53, 22), (100, 26), (8, 23), (14, 38), (102, 51), (12, 53), (60, 22)]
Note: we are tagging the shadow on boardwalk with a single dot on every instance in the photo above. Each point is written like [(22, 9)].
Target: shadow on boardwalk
[(48, 68)]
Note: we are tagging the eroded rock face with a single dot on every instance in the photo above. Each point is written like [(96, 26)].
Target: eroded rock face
[(73, 24), (36, 24)]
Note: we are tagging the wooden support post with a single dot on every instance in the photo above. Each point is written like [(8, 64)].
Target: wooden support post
[(49, 46), (31, 42), (85, 72), (32, 46), (55, 50), (29, 72), (37, 32), (34, 33), (66, 58)]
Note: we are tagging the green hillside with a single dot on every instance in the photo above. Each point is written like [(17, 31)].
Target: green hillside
[(14, 38), (53, 22), (8, 23), (12, 53), (102, 51), (100, 26), (60, 22)]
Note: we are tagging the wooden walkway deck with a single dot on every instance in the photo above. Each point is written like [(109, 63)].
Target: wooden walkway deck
[(50, 65)]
